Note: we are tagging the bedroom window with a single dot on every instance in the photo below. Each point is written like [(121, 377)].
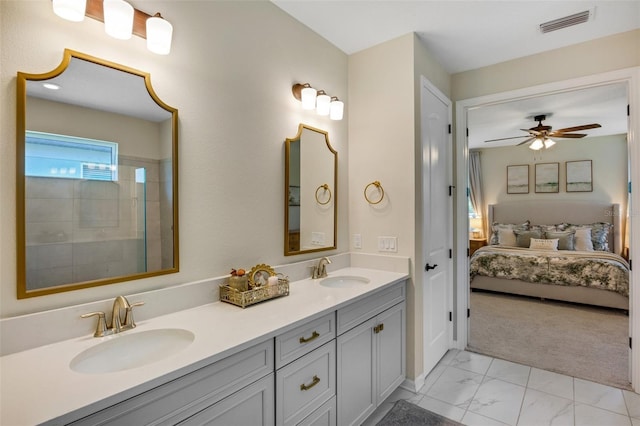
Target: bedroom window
[(69, 157)]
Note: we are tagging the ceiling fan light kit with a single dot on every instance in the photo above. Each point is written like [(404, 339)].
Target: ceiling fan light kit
[(539, 136)]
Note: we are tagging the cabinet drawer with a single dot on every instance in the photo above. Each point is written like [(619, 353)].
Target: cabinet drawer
[(323, 416), (302, 340), (252, 405), (305, 384), (189, 394), (369, 307)]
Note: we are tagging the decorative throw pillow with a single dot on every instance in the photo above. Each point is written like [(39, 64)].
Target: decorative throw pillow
[(544, 244), (544, 228), (599, 234), (496, 226), (566, 239), (506, 237), (583, 239), (523, 238)]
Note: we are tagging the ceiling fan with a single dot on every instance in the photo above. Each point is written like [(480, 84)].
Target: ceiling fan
[(539, 135)]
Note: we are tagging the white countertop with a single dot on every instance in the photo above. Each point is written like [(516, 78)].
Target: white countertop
[(38, 385)]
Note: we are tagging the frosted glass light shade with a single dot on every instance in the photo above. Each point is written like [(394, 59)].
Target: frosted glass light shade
[(323, 102), (308, 98), (548, 143), (159, 33), (536, 145), (337, 110), (118, 19), (71, 10)]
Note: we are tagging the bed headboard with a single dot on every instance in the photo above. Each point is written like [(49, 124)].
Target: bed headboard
[(549, 212)]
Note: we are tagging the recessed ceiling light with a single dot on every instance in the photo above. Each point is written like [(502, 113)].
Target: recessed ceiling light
[(51, 86)]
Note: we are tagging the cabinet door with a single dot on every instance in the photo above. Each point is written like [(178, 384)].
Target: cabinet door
[(390, 348), (323, 416), (252, 405), (356, 379)]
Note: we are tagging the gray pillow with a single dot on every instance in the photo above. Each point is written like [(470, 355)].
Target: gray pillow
[(523, 238), (566, 239), (496, 227), (599, 233)]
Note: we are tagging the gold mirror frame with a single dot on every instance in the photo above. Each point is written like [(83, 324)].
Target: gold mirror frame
[(324, 194), (22, 79)]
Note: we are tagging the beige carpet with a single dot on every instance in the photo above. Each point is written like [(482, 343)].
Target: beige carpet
[(585, 342)]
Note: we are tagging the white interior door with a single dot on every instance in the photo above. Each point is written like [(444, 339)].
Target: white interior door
[(437, 228)]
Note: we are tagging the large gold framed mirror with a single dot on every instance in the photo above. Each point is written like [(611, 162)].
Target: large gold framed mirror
[(97, 177), (311, 191)]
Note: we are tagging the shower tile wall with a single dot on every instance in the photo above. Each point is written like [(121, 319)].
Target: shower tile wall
[(73, 239)]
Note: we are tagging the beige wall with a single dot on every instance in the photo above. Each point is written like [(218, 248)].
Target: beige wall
[(609, 167), (384, 88), (229, 74), (611, 53)]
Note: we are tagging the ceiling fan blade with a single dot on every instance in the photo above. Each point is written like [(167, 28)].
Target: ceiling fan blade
[(504, 139), (568, 135), (576, 128), (525, 141)]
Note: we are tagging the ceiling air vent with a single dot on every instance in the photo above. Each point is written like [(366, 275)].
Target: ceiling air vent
[(567, 21)]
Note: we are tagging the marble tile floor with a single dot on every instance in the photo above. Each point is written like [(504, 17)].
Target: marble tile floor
[(478, 390)]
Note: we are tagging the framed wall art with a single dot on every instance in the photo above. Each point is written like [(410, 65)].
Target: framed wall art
[(579, 176), (518, 179), (547, 177)]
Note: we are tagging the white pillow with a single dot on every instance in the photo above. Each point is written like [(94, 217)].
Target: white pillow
[(583, 239), (506, 237), (544, 244)]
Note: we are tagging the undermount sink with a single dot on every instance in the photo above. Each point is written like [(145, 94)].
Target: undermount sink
[(124, 351), (344, 281)]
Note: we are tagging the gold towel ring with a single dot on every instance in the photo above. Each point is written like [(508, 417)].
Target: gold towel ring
[(326, 188), (378, 185)]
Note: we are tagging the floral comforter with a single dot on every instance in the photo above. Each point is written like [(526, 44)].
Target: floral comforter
[(598, 269)]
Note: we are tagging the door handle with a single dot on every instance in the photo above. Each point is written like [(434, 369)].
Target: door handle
[(428, 267)]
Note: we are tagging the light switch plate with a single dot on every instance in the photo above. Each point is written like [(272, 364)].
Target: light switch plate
[(388, 244)]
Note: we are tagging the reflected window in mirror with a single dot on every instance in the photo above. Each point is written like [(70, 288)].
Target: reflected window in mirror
[(96, 177), (311, 166)]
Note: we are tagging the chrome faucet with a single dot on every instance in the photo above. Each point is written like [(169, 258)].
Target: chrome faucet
[(320, 271), (118, 323)]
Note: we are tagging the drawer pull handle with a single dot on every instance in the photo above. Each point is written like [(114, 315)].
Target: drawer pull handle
[(378, 328), (314, 336), (315, 381)]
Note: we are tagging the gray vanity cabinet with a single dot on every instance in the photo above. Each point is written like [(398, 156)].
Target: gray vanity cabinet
[(217, 388), (371, 355)]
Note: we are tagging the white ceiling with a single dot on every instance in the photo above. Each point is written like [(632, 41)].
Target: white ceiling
[(465, 35)]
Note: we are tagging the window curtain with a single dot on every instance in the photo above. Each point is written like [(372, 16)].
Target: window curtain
[(475, 187)]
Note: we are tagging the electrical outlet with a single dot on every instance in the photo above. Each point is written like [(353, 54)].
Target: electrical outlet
[(317, 238), (388, 244), (357, 241)]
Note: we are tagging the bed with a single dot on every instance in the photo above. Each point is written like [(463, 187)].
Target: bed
[(567, 271)]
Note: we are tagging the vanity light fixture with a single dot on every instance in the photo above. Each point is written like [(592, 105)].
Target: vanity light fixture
[(121, 20), (323, 102), (71, 10), (118, 19), (336, 110), (318, 100)]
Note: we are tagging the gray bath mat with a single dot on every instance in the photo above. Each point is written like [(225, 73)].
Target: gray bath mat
[(408, 414)]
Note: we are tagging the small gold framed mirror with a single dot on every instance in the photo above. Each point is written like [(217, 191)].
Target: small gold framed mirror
[(311, 191)]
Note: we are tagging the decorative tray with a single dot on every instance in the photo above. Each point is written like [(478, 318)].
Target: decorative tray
[(255, 295)]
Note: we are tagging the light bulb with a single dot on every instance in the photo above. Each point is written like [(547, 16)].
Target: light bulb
[(159, 33), (118, 19), (536, 145), (337, 109), (308, 98), (71, 10), (323, 102)]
